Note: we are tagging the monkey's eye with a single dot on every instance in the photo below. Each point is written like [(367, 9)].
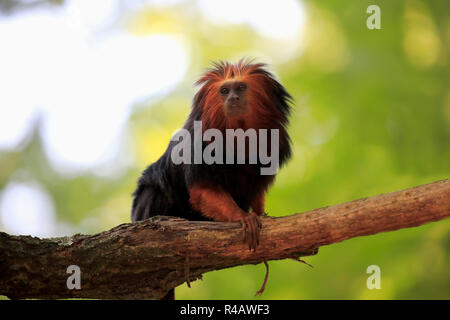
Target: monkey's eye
[(242, 87), (224, 91)]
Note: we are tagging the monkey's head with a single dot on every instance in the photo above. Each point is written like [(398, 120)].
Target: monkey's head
[(241, 95)]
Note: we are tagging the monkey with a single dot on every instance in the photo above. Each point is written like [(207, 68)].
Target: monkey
[(244, 95)]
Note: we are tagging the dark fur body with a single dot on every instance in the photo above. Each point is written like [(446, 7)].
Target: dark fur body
[(163, 188)]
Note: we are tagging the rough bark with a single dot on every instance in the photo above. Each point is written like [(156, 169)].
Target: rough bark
[(144, 260)]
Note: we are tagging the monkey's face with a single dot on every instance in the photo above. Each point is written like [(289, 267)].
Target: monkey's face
[(234, 97)]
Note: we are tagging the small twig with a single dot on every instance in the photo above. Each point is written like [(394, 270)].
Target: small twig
[(260, 291), (302, 261)]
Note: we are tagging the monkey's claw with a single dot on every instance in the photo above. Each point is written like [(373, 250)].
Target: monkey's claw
[(252, 228)]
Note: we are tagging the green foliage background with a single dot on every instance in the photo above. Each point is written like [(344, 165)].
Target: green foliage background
[(372, 115)]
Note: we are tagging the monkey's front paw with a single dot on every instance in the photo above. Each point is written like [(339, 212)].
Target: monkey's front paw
[(252, 228)]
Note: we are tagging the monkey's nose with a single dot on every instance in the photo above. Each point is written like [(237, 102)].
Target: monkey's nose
[(234, 98)]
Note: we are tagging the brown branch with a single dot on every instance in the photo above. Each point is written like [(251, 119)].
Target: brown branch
[(146, 259)]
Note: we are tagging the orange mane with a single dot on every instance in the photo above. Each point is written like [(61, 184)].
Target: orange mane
[(268, 101)]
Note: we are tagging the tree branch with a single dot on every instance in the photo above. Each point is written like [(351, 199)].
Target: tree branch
[(145, 259)]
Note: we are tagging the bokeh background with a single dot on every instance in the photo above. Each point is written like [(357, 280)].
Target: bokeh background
[(91, 91)]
